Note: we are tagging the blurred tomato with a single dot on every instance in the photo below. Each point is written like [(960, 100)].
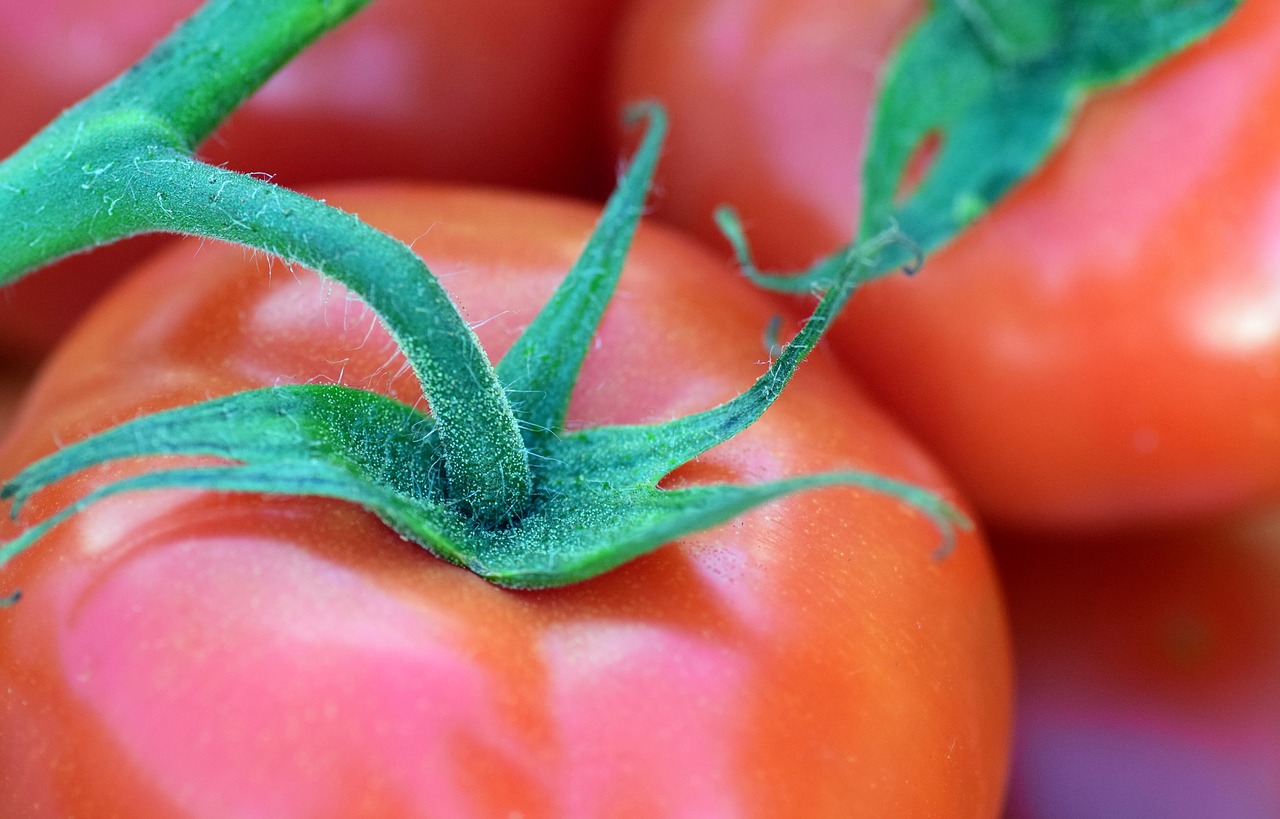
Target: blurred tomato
[(1148, 676), (1104, 348)]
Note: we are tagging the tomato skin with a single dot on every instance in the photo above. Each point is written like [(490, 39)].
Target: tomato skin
[(403, 88), (492, 91), (1148, 675), (221, 655), (1102, 349)]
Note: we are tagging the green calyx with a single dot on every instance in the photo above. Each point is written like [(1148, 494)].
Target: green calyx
[(495, 485), (993, 86), (594, 502)]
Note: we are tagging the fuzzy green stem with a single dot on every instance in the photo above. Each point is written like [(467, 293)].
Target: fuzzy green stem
[(118, 165), (173, 98)]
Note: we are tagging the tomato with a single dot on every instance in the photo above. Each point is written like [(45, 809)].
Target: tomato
[(1102, 349), (225, 655), (493, 91), (1148, 675)]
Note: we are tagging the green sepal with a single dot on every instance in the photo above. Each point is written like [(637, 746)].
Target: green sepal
[(364, 432), (545, 360), (996, 84)]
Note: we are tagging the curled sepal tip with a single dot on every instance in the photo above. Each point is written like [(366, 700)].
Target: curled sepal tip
[(888, 251)]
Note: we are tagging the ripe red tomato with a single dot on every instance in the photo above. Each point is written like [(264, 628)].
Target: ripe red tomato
[(222, 655), (489, 91), (1103, 347), (1148, 676)]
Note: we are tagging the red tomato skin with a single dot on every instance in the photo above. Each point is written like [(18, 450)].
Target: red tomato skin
[(1148, 674), (489, 91), (216, 655), (1102, 349)]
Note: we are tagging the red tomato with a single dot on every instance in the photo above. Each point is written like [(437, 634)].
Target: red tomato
[(227, 655), (1148, 676), (1103, 348), (493, 91)]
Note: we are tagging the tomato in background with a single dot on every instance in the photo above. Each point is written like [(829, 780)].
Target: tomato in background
[(487, 91), (1148, 676), (219, 655), (1103, 349)]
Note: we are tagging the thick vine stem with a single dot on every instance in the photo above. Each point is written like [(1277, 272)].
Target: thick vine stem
[(118, 165), (173, 98)]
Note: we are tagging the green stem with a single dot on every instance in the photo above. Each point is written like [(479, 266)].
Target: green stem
[(173, 98), (118, 165)]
